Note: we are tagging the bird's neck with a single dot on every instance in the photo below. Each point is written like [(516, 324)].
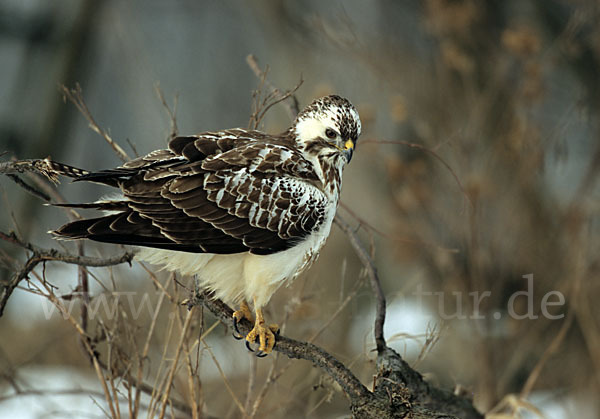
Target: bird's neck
[(328, 169), (330, 174)]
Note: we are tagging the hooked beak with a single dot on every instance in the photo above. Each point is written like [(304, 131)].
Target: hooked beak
[(349, 150)]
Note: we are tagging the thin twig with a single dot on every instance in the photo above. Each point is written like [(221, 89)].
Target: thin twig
[(225, 380), (83, 286), (170, 113), (41, 255), (432, 337), (89, 349), (429, 151), (46, 393), (171, 376), (140, 386), (263, 391), (293, 107), (367, 262), (548, 352), (381, 233), (75, 95), (144, 354), (190, 371), (32, 190), (278, 99), (133, 147), (337, 312), (159, 384), (251, 383)]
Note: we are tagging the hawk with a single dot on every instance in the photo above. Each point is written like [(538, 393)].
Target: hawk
[(241, 210)]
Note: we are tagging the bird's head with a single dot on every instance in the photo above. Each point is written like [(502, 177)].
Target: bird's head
[(328, 129)]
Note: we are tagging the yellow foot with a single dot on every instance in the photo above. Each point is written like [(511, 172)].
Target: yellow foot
[(243, 313), (264, 334)]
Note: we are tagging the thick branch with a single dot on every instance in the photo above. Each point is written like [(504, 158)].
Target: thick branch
[(400, 391), (396, 376), (353, 388)]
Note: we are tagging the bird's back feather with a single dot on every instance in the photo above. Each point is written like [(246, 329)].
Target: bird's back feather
[(218, 192)]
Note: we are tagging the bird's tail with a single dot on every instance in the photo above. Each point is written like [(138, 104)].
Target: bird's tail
[(60, 169), (51, 169)]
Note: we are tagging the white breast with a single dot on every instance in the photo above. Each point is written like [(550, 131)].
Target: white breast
[(244, 276)]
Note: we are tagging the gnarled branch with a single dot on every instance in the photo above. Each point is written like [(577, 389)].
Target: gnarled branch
[(399, 390)]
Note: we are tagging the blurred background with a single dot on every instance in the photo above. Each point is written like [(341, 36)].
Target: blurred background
[(474, 185)]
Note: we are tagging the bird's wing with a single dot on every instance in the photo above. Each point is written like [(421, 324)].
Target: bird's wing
[(226, 192)]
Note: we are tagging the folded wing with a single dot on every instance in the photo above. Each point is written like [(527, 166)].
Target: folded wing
[(227, 192)]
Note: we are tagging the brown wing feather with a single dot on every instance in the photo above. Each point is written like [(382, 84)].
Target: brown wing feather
[(226, 192)]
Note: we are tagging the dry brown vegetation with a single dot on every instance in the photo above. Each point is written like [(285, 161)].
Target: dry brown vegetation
[(473, 197)]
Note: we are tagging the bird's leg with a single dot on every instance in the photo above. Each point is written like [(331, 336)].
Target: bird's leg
[(264, 334), (243, 313)]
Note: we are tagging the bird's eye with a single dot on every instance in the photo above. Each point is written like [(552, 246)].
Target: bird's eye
[(331, 134)]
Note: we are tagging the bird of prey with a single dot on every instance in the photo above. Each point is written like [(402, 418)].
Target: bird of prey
[(242, 210)]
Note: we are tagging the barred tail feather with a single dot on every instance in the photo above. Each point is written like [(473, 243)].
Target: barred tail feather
[(65, 169), (106, 177)]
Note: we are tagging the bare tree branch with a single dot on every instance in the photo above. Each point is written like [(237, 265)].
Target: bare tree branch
[(290, 347), (293, 107), (32, 190), (399, 391), (170, 113), (367, 262), (42, 255)]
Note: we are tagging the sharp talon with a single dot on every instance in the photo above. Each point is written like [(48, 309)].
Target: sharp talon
[(237, 337), (235, 326), (261, 334)]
